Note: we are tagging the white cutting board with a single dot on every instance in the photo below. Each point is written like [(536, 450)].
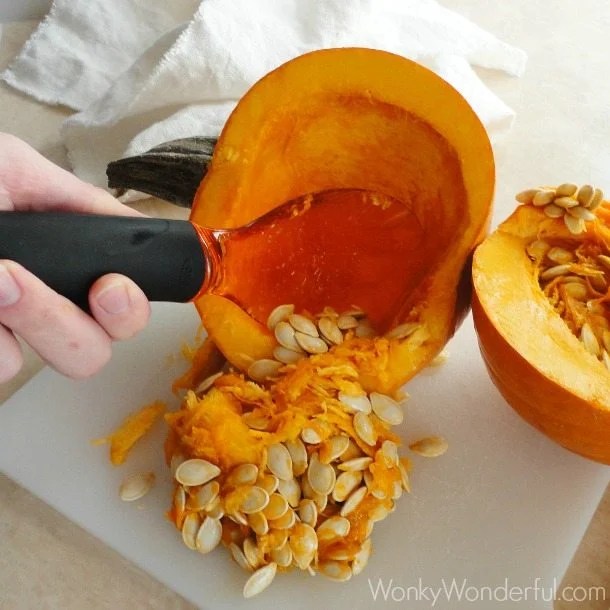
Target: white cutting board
[(503, 503)]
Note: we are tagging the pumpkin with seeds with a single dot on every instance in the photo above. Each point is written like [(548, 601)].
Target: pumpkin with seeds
[(299, 421), (288, 136), (542, 314)]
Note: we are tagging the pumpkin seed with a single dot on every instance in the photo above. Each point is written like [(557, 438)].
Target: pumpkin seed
[(359, 463), (560, 255), (321, 476), (335, 570), (282, 556), (308, 492), (553, 272), (333, 448), (402, 331), (277, 506), (365, 331), (352, 451), (566, 190), (312, 345), (386, 409), (587, 336), (291, 490), (287, 356), (363, 427), (582, 213), (543, 196), (362, 557), (255, 421), (575, 225), (279, 314), (596, 200), (585, 195), (260, 580), (239, 557), (576, 291), (279, 461), (404, 477), (285, 336), (298, 454), (285, 522), (333, 527), (565, 202), (196, 472), (215, 509), (258, 523), (261, 370), (243, 474), (355, 312), (389, 449), (209, 535), (304, 544), (190, 528), (207, 383), (308, 512), (268, 482), (526, 196), (537, 249), (352, 502), (553, 211), (346, 483), (204, 496), (238, 518), (329, 330), (252, 553), (310, 436), (255, 500), (303, 324), (136, 486), (345, 322), (431, 446), (354, 404)]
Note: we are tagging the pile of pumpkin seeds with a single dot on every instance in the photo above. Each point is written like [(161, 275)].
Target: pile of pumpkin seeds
[(293, 510), (575, 205)]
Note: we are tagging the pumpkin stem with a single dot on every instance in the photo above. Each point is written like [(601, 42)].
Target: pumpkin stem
[(171, 171)]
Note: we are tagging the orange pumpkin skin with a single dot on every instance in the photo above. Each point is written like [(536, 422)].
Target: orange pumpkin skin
[(538, 365), (361, 118)]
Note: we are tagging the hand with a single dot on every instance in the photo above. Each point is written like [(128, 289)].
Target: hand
[(74, 343)]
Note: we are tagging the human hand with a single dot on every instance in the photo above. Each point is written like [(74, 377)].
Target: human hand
[(74, 343)]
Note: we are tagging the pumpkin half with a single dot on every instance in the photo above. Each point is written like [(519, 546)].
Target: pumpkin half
[(366, 119), (540, 311)]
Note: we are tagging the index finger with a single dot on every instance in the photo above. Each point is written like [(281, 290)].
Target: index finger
[(29, 182)]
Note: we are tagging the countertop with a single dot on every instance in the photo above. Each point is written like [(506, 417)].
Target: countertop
[(562, 133)]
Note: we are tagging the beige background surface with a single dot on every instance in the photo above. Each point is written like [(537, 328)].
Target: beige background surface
[(562, 133)]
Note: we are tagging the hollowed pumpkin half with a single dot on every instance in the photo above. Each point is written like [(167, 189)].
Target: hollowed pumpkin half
[(361, 118), (539, 365)]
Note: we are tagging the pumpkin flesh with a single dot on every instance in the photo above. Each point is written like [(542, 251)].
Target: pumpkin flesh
[(539, 365)]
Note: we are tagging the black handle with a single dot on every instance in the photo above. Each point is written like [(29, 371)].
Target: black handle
[(70, 251)]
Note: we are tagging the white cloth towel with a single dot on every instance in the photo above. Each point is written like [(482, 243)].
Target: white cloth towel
[(141, 72)]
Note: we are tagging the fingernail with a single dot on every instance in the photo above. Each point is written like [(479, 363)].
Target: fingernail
[(10, 292), (114, 299)]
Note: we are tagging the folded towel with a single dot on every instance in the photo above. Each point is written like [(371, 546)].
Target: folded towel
[(141, 72)]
